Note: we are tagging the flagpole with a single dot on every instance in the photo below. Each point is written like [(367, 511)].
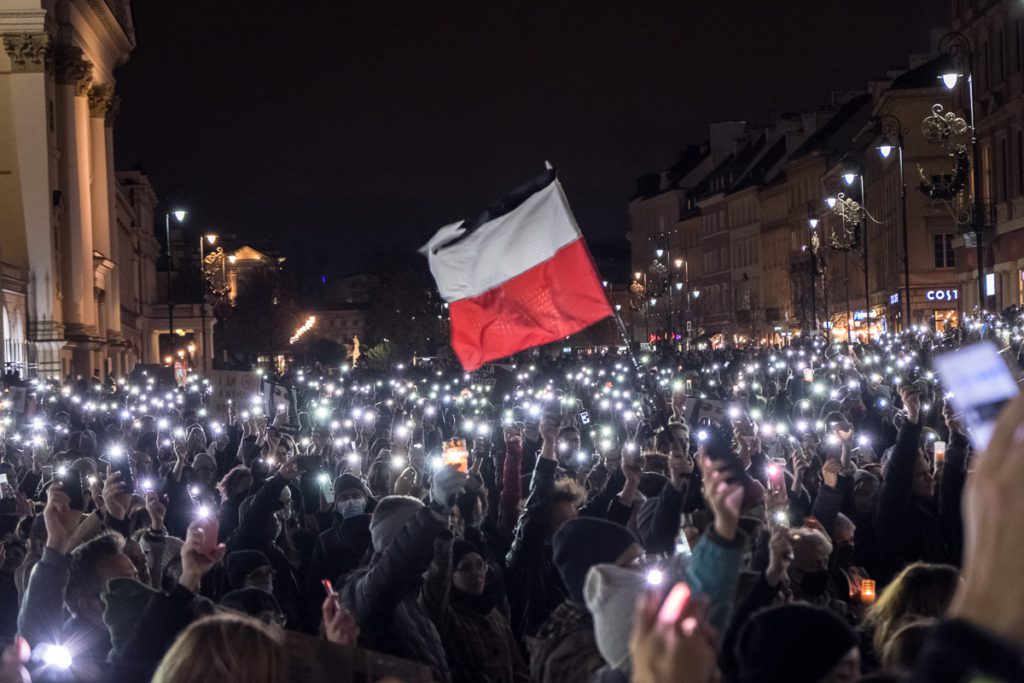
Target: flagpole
[(650, 393)]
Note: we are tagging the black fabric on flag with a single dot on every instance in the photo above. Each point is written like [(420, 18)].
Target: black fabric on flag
[(507, 204)]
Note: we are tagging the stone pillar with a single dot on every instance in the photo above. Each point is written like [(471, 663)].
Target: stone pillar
[(73, 76), (104, 218), (114, 295), (28, 54)]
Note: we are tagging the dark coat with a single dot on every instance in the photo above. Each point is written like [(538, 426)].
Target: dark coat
[(387, 601)]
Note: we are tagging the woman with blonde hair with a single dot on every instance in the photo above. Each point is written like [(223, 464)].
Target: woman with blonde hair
[(920, 591), (224, 647)]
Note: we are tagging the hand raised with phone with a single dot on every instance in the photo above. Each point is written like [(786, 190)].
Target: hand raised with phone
[(672, 642), (199, 554)]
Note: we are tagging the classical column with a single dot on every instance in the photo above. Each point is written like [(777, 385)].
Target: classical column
[(28, 55), (73, 76), (104, 232)]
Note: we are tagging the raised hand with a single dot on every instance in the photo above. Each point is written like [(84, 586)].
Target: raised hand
[(60, 520), (780, 555), (678, 649), (115, 497), (723, 498), (196, 559), (339, 625), (991, 594)]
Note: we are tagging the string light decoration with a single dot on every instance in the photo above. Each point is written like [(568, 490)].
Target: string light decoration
[(303, 329)]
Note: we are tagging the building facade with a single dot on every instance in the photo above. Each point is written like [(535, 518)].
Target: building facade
[(994, 58), (767, 243), (59, 202)]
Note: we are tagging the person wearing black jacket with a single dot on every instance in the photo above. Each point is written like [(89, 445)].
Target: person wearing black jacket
[(534, 586), (260, 528), (386, 597), (342, 547), (910, 523)]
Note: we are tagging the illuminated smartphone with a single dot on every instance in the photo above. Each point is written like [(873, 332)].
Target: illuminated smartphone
[(211, 527), (981, 384), (454, 453), (674, 604)]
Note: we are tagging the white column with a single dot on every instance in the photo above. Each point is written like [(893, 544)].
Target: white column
[(101, 193), (73, 77), (114, 295), (28, 115)]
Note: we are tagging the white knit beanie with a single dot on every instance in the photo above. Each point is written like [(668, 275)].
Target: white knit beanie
[(391, 514), (611, 593)]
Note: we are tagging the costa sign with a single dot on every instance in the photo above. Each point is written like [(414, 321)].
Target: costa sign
[(942, 295)]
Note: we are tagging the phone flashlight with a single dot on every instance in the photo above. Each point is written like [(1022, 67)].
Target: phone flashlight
[(655, 577)]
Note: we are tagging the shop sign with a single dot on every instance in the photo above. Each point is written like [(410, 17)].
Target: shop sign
[(894, 298), (942, 295), (860, 315)]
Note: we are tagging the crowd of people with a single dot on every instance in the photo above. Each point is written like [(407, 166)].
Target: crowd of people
[(810, 512)]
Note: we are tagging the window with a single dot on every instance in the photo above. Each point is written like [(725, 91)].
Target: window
[(945, 257), (1020, 162), (1004, 171)]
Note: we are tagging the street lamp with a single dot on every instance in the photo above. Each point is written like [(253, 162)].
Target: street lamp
[(892, 131), (956, 47), (210, 239), (179, 215), (856, 213), (813, 221)]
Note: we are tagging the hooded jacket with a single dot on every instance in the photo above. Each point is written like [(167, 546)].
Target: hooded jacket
[(387, 601)]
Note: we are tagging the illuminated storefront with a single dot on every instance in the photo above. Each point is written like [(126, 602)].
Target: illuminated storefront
[(937, 307)]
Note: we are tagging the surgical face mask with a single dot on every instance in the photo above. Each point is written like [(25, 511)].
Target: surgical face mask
[(351, 507)]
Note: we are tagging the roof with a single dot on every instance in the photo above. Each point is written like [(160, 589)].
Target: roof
[(926, 75), (840, 128)]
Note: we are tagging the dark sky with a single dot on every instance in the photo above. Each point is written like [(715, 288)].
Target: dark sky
[(340, 127)]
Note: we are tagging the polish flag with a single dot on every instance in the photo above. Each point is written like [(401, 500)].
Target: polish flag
[(517, 276)]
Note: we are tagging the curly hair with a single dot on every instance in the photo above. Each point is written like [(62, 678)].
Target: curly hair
[(232, 479)]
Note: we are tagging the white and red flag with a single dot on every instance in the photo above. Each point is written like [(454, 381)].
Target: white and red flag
[(517, 276)]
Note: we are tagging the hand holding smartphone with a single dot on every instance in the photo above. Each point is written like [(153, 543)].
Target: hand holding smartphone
[(981, 384)]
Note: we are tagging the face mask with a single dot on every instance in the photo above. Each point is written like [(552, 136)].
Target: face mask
[(815, 583), (351, 507)]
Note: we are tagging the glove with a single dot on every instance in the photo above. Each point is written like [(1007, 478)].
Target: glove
[(447, 485)]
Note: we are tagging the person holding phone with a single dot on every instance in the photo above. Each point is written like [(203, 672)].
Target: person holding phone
[(912, 522), (262, 526), (341, 548), (386, 596), (73, 579), (535, 589)]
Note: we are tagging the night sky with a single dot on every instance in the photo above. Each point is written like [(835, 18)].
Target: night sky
[(342, 128)]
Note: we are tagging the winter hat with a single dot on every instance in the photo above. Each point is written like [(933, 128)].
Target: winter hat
[(583, 542), (611, 593), (251, 601), (349, 481), (391, 514), (794, 643), (460, 548), (241, 563), (125, 601)]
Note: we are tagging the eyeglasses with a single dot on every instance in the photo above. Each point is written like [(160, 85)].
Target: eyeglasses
[(262, 573)]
